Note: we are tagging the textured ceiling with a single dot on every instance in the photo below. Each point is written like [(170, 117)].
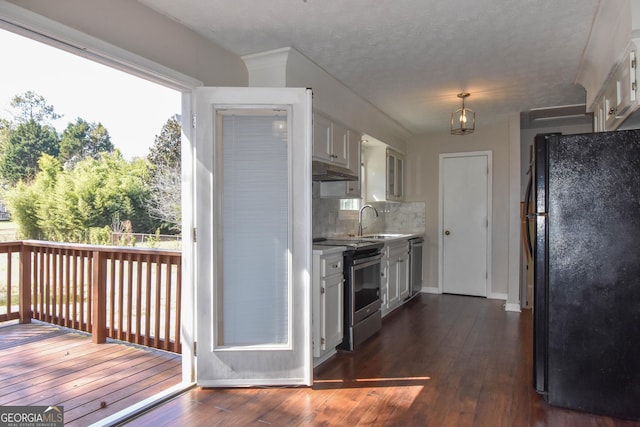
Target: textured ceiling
[(411, 57)]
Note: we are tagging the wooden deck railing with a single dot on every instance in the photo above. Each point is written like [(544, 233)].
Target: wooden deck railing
[(129, 294)]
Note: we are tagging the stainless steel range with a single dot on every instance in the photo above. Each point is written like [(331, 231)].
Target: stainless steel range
[(362, 267)]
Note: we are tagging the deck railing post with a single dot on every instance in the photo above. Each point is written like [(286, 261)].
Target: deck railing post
[(25, 284), (99, 297)]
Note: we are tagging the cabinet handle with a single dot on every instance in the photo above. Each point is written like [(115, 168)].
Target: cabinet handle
[(335, 266), (613, 111)]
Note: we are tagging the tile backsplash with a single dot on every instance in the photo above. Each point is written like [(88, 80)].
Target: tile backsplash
[(329, 220)]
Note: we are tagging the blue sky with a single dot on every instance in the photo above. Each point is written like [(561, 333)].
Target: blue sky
[(133, 110)]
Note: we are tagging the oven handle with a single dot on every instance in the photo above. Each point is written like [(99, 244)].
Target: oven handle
[(365, 262)]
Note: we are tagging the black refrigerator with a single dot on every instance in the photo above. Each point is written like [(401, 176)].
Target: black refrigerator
[(586, 246)]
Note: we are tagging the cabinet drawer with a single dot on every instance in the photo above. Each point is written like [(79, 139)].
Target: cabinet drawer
[(331, 265)]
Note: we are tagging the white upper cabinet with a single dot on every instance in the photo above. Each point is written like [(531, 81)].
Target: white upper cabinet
[(395, 175), (340, 144), (384, 174), (321, 138), (619, 96), (329, 141), (608, 66), (345, 149)]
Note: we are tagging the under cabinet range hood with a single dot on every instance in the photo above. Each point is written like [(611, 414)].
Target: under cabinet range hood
[(321, 171)]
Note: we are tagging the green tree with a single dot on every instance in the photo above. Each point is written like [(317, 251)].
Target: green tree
[(166, 147), (83, 139), (33, 107), (27, 138), (68, 205), (164, 203), (22, 201), (5, 133), (111, 186), (24, 146)]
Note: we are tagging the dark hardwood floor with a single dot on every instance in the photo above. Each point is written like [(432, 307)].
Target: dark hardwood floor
[(441, 360)]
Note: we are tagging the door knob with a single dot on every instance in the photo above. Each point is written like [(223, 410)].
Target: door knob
[(447, 232)]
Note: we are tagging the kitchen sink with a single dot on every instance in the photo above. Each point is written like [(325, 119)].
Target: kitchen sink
[(383, 236)]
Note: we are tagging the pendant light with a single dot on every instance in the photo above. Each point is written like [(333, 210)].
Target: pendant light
[(463, 120)]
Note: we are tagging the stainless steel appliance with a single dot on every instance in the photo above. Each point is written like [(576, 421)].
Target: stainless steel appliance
[(586, 251), (415, 265), (362, 268)]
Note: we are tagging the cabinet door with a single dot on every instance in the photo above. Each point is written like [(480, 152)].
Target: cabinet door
[(395, 175), (353, 158), (332, 311), (598, 116), (392, 281), (321, 138), (399, 194), (346, 189), (391, 175), (622, 90), (403, 276), (339, 145), (384, 285)]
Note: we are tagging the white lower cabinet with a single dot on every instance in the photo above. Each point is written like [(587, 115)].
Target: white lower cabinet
[(328, 306), (395, 275)]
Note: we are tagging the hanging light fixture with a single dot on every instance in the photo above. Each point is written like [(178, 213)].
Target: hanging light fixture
[(463, 120)]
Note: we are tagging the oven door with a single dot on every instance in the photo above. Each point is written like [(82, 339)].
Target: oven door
[(365, 287)]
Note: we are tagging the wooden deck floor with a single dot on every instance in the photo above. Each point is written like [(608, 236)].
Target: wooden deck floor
[(441, 360), (46, 365)]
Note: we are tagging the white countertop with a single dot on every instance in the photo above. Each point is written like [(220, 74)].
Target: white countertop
[(392, 236), (389, 237), (326, 250)]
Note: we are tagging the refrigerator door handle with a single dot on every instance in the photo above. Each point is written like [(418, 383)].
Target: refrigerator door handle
[(528, 216)]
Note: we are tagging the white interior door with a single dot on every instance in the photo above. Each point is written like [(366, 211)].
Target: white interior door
[(253, 245), (465, 187)]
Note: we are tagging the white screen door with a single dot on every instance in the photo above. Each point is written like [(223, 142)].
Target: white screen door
[(253, 244)]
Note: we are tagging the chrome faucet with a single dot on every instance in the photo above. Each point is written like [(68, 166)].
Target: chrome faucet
[(360, 217)]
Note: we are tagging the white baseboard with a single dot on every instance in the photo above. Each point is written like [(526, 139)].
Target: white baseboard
[(492, 295), (512, 307), (496, 295)]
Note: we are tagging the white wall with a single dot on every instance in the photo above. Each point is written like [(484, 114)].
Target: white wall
[(131, 26), (422, 185), (527, 136)]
